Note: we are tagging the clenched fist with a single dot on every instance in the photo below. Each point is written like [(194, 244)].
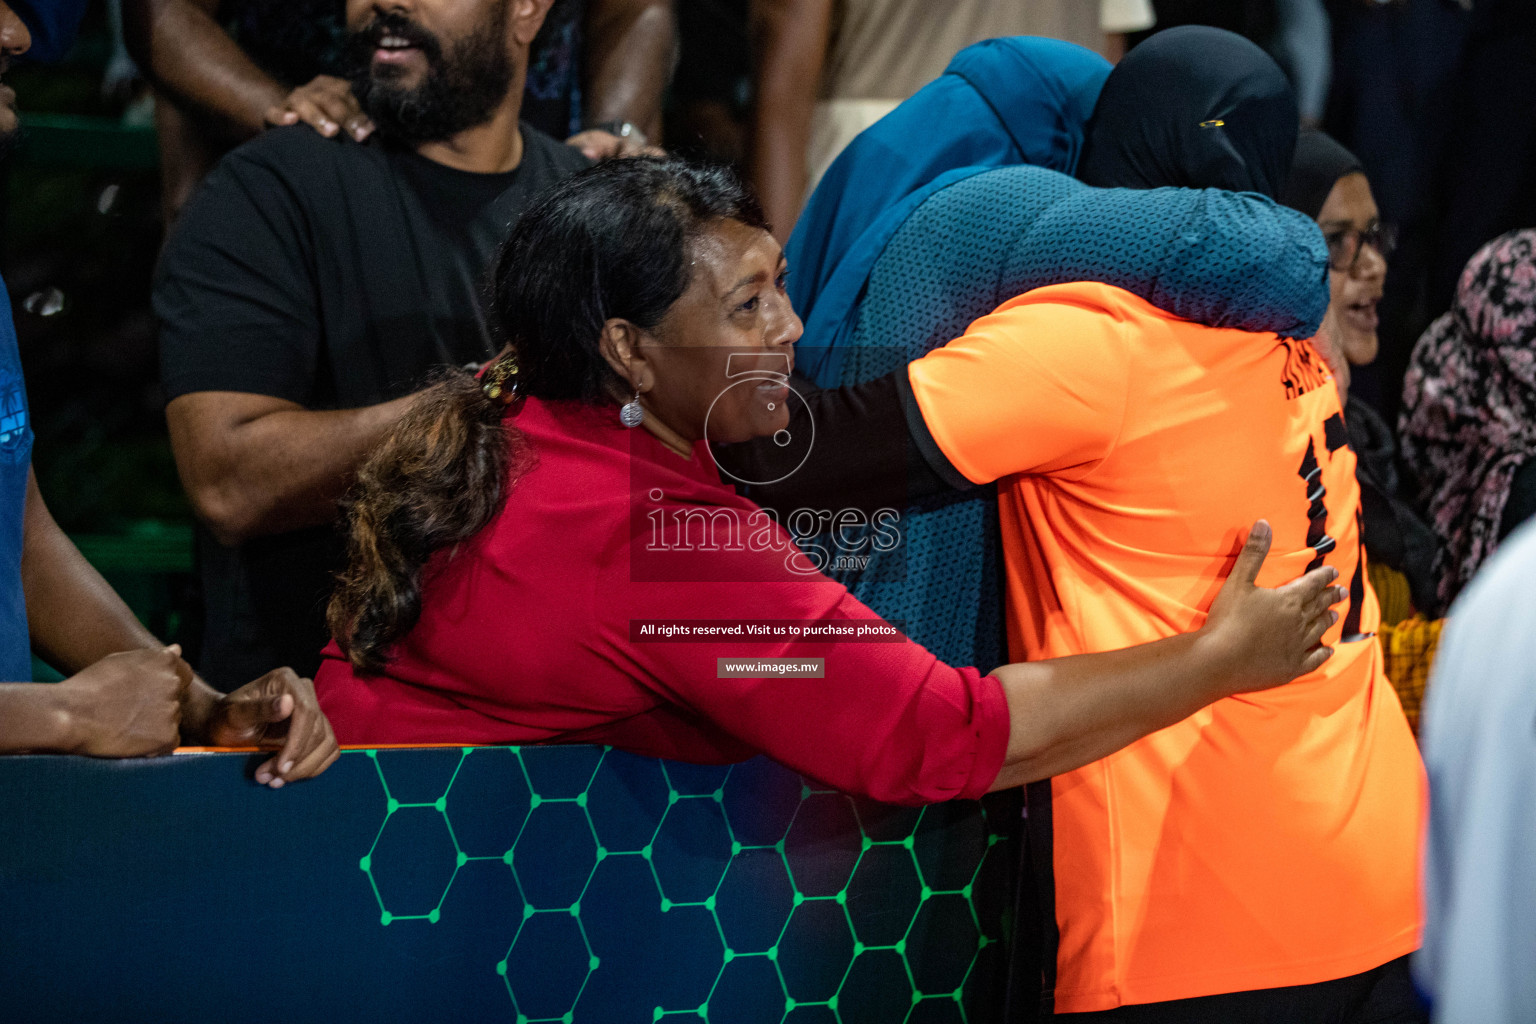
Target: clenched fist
[(126, 704)]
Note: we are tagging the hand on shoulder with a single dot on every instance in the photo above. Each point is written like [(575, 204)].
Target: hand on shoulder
[(598, 144), (327, 105)]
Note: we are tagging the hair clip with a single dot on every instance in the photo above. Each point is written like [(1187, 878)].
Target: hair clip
[(499, 383), (1215, 122)]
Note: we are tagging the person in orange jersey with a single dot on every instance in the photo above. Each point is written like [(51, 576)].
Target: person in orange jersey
[(1257, 861)]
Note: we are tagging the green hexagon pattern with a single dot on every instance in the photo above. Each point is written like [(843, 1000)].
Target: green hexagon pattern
[(555, 851)]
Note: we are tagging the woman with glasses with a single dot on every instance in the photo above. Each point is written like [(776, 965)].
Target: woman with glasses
[(1328, 184)]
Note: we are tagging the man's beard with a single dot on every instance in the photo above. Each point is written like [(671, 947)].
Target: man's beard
[(457, 92)]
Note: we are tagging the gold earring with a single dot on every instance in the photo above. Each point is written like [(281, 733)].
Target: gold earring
[(499, 382)]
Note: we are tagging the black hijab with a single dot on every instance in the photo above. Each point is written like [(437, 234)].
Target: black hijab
[(1195, 107), (1319, 162)]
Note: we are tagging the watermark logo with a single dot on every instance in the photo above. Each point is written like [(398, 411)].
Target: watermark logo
[(675, 535), (809, 540), (765, 378)]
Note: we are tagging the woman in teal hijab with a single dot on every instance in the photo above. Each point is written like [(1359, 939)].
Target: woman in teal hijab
[(1019, 100)]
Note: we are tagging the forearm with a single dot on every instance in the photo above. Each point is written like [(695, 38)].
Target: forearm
[(1068, 712), (778, 171), (791, 38), (34, 719), (189, 56), (74, 616), (279, 471), (630, 50), (867, 458)]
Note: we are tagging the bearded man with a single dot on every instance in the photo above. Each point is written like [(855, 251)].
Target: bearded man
[(312, 286)]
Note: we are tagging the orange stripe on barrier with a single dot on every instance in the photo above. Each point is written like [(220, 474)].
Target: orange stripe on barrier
[(344, 746)]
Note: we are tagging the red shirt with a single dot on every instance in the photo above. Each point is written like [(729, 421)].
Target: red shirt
[(525, 633)]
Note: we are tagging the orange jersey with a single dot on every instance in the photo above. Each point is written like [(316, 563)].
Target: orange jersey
[(1271, 839)]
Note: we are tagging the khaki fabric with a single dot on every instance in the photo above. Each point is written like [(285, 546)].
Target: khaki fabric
[(883, 51), (889, 49)]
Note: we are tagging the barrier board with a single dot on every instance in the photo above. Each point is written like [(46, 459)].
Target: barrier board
[(575, 884)]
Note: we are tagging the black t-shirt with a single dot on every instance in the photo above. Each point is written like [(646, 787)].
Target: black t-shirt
[(334, 275)]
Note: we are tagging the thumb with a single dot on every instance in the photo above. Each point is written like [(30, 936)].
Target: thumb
[(248, 711), (1251, 559), (184, 673)]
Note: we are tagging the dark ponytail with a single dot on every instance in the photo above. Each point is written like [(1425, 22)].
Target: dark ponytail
[(435, 481), (610, 242)]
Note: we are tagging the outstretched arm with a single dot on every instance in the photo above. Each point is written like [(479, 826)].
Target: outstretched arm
[(869, 449), (888, 720), (1068, 712)]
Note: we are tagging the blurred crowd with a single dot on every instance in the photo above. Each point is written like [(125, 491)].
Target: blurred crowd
[(313, 245), (1429, 95)]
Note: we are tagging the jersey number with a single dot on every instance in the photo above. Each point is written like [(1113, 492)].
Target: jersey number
[(1311, 473)]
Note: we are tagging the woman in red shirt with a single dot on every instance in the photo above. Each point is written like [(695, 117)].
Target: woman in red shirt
[(526, 567)]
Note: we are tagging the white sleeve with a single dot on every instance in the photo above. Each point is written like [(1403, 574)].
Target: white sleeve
[(1480, 749)]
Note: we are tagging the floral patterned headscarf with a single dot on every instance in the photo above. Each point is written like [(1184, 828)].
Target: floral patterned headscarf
[(1469, 404)]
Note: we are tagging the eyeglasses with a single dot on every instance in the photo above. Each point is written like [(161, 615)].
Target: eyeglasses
[(1344, 245)]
